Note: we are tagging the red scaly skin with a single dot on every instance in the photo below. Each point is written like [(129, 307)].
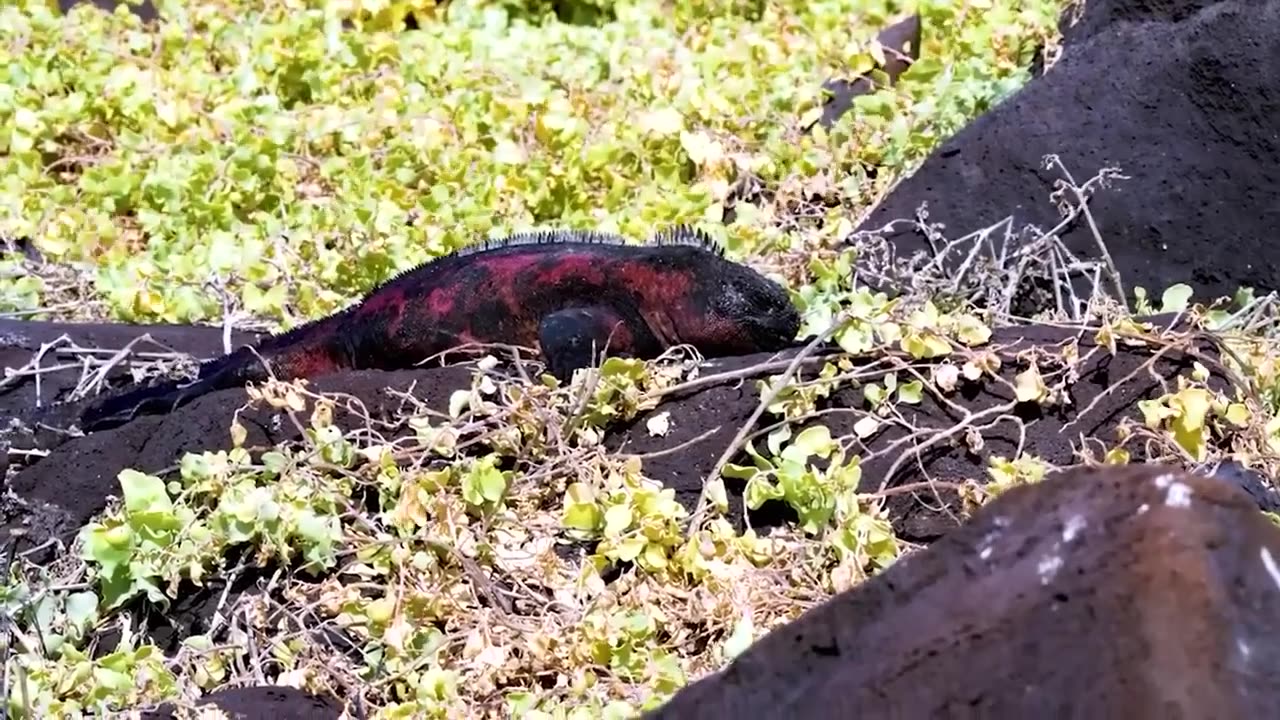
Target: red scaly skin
[(565, 293)]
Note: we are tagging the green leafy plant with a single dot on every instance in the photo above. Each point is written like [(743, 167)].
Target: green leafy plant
[(824, 499), (264, 149), (263, 158), (51, 676), (634, 518), (1175, 298), (1193, 415)]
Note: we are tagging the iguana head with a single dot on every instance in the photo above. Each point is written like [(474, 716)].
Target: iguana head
[(759, 310), (721, 306)]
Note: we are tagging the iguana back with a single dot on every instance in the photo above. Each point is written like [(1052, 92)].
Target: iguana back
[(571, 294)]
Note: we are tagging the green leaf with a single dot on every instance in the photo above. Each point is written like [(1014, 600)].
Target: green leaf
[(1176, 298), (875, 395), (143, 493), (1238, 414), (459, 400), (618, 710), (630, 548), (664, 121), (760, 490), (924, 345), (1116, 456), (654, 556), (971, 331), (508, 153), (581, 511), (82, 609), (717, 494), (813, 440), (911, 392), (775, 439), (866, 427), (1154, 412), (484, 483), (616, 520), (1029, 386), (739, 472), (520, 703), (109, 546), (1192, 406), (856, 337)]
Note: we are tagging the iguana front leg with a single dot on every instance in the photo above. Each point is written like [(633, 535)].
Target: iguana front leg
[(575, 338)]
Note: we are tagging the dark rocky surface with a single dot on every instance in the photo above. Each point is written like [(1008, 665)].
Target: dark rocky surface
[(64, 489), (1129, 591), (1182, 97), (1059, 598), (1251, 481), (67, 343), (257, 703)]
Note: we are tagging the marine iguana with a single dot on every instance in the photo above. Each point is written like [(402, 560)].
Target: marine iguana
[(566, 293)]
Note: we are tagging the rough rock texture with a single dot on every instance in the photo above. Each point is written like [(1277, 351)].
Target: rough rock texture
[(1252, 482), (1054, 434), (73, 483), (21, 341), (266, 702), (44, 362), (66, 488), (1097, 15), (1182, 96), (52, 497), (1123, 592)]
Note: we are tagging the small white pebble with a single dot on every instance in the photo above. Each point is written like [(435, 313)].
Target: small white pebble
[(1075, 524), (985, 545), (1178, 495), (1145, 507), (1049, 567), (1270, 565)]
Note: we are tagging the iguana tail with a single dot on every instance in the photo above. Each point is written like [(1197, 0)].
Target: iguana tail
[(166, 395), (289, 356)]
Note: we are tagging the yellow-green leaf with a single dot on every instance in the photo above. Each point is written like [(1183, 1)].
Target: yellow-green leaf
[(911, 392), (1029, 386), (1238, 414), (1116, 456), (971, 331), (616, 520)]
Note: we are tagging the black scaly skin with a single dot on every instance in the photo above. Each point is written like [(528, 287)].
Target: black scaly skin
[(568, 293)]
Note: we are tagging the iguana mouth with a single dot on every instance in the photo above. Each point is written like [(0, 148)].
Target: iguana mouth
[(774, 335)]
